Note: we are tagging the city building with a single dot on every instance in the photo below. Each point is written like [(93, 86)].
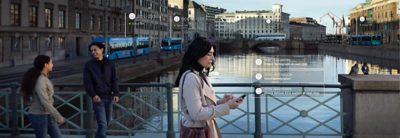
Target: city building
[(176, 8), (379, 17), (254, 24), (64, 28), (210, 18), (152, 20), (30, 28), (306, 29), (197, 21)]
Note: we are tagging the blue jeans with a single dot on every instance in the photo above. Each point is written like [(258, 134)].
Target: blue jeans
[(103, 112), (43, 124)]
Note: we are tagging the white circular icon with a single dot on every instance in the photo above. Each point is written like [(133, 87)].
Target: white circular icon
[(269, 21), (132, 16), (362, 18), (258, 76), (177, 18), (258, 61), (258, 91)]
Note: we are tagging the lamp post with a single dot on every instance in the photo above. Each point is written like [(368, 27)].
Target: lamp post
[(131, 16), (268, 21), (176, 20), (362, 19)]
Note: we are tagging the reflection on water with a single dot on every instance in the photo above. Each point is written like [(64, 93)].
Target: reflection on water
[(242, 68), (282, 113)]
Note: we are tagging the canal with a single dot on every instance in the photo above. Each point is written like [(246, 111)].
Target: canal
[(284, 111)]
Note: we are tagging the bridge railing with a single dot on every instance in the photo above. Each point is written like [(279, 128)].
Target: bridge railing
[(280, 109)]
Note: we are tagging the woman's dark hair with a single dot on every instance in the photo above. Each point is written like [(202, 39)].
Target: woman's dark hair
[(98, 44), (32, 75), (197, 49)]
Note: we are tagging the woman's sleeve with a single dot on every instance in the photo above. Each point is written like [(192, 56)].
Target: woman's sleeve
[(192, 96), (41, 88)]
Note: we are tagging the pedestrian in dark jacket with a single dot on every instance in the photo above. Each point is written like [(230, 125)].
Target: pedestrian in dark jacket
[(101, 85), (365, 69)]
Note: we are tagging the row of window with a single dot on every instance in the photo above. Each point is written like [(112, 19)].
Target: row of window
[(254, 17), (155, 6), (111, 3), (150, 16), (15, 16), (33, 43), (251, 31)]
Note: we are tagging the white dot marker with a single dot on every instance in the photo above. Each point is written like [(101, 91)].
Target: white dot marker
[(258, 91), (258, 61), (258, 76)]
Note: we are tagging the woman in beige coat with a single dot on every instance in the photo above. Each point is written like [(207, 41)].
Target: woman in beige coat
[(198, 102), (38, 91)]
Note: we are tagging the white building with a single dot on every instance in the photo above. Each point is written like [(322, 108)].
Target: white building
[(197, 21), (254, 24)]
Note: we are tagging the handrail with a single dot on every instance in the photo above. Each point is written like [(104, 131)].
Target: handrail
[(162, 94)]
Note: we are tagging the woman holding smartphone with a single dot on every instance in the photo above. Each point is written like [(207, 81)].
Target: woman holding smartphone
[(198, 102)]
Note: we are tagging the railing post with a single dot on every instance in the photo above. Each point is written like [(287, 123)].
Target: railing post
[(14, 108), (171, 132), (89, 119), (257, 116)]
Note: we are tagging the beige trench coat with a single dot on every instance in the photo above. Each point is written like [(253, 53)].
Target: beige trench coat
[(194, 96)]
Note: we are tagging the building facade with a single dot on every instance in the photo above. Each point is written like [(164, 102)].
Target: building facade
[(253, 24), (66, 27), (152, 20), (32, 27), (306, 29), (197, 21), (381, 17), (210, 18)]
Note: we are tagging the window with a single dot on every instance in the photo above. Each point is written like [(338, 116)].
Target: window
[(49, 17), (49, 43), (15, 44), (92, 22), (115, 24), (15, 15), (61, 42), (120, 25), (33, 16), (78, 20), (99, 25), (32, 44), (61, 19), (108, 22)]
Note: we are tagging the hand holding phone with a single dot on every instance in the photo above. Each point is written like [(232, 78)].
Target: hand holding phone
[(240, 99)]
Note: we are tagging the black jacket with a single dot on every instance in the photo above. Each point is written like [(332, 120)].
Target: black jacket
[(99, 78)]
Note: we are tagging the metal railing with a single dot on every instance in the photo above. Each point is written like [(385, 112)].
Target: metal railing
[(151, 108)]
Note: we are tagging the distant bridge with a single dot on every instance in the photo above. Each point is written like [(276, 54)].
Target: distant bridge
[(228, 45)]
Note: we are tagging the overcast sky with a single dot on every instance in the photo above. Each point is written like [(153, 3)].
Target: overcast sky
[(296, 8)]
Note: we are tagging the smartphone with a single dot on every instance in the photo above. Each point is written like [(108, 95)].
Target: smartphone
[(244, 95)]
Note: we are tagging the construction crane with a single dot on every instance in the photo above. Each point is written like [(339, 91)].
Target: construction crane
[(336, 22)]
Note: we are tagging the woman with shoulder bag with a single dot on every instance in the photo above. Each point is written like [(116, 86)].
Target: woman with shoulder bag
[(198, 102)]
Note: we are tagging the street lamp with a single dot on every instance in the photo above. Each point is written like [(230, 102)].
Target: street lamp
[(131, 16), (362, 19), (176, 20)]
